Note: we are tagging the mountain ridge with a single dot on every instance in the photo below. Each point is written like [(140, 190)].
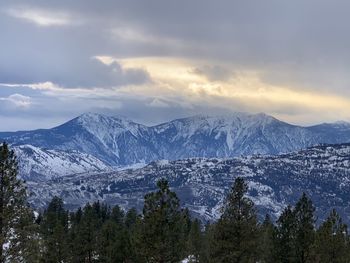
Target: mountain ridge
[(118, 141)]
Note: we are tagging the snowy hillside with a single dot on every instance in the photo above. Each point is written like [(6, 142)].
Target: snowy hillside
[(231, 135), (39, 164), (323, 172)]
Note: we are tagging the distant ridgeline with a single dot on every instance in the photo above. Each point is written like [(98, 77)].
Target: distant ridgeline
[(96, 143)]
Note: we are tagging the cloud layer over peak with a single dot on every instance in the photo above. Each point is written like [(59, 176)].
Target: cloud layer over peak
[(155, 60)]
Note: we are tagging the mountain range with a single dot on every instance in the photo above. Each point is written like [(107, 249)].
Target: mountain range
[(94, 142)]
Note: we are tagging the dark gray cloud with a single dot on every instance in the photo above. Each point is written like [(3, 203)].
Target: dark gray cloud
[(32, 53), (86, 73), (286, 35), (301, 44)]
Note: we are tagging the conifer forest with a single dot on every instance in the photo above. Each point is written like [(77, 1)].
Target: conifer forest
[(163, 231)]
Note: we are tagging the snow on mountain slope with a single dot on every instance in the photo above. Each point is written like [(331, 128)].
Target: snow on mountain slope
[(121, 142), (39, 164), (116, 141), (121, 139), (105, 128), (323, 172), (231, 135)]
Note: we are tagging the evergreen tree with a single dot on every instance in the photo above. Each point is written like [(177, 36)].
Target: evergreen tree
[(208, 237), (102, 213), (133, 225), (131, 219), (266, 241), (86, 232), (286, 236), (54, 229), (162, 229), (236, 233), (305, 229), (117, 215), (75, 219), (186, 224), (28, 234), (136, 233), (332, 240), (108, 243), (194, 243), (114, 243), (16, 218)]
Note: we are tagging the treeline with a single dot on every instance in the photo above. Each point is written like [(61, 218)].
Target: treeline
[(164, 231)]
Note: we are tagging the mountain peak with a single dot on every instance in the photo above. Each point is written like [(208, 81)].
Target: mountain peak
[(95, 117), (229, 119), (103, 126)]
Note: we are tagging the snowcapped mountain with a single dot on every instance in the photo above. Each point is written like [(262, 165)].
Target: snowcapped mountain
[(228, 136), (116, 141), (39, 164), (323, 172), (119, 141)]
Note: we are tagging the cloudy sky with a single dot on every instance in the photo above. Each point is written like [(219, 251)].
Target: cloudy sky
[(157, 60)]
